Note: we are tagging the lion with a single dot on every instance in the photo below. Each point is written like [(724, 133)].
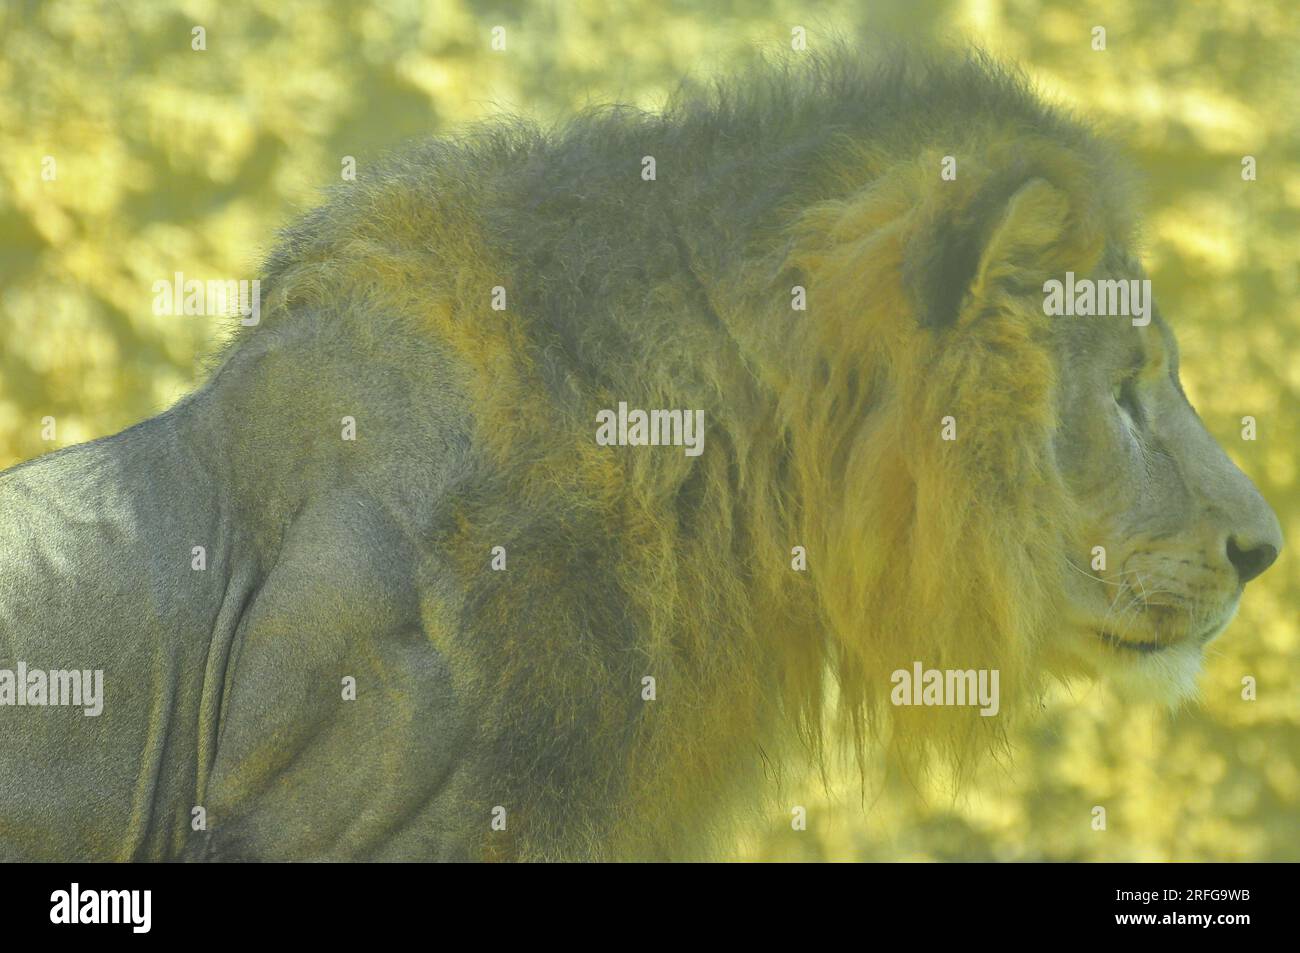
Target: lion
[(376, 591)]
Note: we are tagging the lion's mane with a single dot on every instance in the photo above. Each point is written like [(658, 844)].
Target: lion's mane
[(823, 426)]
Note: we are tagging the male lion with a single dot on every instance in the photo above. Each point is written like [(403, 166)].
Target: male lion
[(474, 631)]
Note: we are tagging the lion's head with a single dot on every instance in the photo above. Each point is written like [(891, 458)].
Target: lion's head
[(989, 485)]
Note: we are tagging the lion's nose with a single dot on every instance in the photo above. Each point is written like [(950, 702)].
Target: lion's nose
[(1252, 560)]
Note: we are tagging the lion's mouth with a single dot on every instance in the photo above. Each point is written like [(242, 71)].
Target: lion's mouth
[(1145, 648)]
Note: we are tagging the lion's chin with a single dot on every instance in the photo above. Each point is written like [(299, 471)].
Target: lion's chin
[(1168, 676), (1162, 670), (1137, 671)]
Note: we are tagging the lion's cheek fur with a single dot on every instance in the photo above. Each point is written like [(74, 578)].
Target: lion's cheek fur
[(936, 518)]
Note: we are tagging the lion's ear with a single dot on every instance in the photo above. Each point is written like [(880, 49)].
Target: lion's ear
[(1013, 227)]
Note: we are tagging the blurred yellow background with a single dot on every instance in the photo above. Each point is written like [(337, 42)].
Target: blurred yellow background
[(168, 159)]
